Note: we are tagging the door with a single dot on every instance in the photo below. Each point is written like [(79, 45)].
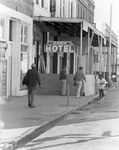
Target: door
[(10, 70)]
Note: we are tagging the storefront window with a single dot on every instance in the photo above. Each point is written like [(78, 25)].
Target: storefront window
[(24, 63), (23, 54), (25, 34)]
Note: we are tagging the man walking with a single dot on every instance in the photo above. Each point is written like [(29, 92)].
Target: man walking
[(79, 78), (63, 78), (32, 77)]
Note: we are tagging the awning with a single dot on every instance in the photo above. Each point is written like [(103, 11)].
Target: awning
[(69, 25)]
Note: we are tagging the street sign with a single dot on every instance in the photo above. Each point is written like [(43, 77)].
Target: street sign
[(60, 46)]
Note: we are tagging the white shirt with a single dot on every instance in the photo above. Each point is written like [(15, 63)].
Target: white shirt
[(101, 83)]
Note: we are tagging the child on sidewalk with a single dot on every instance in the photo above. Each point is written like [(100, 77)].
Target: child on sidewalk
[(101, 86)]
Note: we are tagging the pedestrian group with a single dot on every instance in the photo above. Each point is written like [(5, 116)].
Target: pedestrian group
[(32, 78)]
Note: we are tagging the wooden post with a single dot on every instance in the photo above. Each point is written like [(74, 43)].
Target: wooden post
[(87, 54), (101, 54), (81, 40), (68, 94), (116, 65), (104, 61), (99, 42)]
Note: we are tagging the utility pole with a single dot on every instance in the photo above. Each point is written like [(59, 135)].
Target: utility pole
[(110, 34)]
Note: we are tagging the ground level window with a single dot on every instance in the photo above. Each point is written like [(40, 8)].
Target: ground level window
[(23, 64)]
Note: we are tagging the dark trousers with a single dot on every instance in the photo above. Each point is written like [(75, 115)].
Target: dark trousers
[(101, 93), (31, 93)]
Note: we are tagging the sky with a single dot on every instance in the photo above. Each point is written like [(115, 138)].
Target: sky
[(102, 13)]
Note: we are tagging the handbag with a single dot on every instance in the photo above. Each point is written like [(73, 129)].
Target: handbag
[(74, 81), (25, 80)]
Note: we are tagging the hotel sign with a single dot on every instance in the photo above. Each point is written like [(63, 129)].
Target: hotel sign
[(60, 46)]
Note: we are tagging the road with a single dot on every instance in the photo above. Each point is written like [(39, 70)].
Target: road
[(95, 127)]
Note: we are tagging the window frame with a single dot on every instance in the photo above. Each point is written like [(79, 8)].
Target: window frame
[(2, 28)]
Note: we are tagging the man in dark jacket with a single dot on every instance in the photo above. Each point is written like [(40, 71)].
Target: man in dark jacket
[(32, 77), (63, 78)]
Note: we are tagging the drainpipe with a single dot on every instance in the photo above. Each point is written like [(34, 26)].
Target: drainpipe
[(110, 34), (1, 70), (81, 39), (104, 62)]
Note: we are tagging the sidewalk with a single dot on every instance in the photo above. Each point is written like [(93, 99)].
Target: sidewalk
[(22, 123)]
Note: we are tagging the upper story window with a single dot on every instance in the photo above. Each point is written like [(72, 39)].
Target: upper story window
[(78, 11), (71, 9), (53, 8), (2, 28), (63, 8), (37, 2), (86, 15), (42, 3), (10, 30), (83, 13), (24, 33)]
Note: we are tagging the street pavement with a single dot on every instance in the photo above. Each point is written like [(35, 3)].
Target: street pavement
[(95, 127), (20, 119)]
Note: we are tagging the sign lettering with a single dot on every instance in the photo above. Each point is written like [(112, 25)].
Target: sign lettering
[(60, 46)]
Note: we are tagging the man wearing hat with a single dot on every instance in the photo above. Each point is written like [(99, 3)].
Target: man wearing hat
[(32, 78)]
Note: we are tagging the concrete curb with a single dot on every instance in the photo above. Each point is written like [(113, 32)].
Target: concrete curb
[(36, 131)]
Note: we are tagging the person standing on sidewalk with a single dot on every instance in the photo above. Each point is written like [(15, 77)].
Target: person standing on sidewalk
[(63, 78), (32, 78), (101, 86), (79, 79)]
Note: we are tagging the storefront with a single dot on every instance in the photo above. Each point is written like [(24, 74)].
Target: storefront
[(83, 36), (17, 32)]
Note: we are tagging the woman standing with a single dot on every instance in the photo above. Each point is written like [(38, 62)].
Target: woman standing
[(101, 86)]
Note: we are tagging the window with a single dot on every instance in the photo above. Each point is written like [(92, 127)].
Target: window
[(2, 28), (63, 8), (71, 9), (52, 8), (42, 3), (78, 12), (83, 13), (37, 2), (60, 8), (24, 53), (24, 33), (11, 30)]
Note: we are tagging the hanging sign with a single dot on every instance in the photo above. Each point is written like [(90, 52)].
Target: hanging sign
[(60, 46)]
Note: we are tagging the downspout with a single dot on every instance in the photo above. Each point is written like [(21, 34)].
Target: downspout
[(81, 44), (99, 43), (116, 64), (87, 54), (104, 62)]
